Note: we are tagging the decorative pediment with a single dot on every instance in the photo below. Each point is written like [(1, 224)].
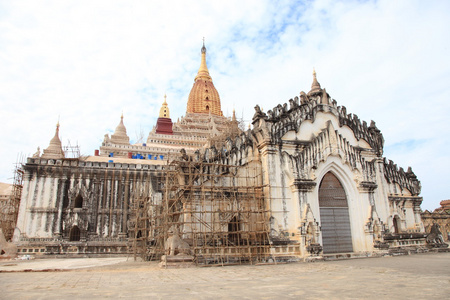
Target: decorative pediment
[(329, 142), (282, 119), (75, 219), (80, 190), (310, 227)]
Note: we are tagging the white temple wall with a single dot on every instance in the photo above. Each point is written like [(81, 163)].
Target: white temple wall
[(381, 193), (278, 191), (104, 213), (287, 209), (388, 209), (47, 191), (409, 217), (30, 229)]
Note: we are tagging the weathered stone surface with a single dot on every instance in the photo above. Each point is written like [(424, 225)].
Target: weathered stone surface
[(8, 250)]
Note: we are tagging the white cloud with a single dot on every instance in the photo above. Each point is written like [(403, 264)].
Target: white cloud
[(87, 61)]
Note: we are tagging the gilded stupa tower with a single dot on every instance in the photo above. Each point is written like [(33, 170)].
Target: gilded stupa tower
[(203, 121), (204, 97), (164, 123)]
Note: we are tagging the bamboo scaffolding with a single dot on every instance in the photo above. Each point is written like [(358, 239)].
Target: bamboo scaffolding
[(218, 209), (9, 209)]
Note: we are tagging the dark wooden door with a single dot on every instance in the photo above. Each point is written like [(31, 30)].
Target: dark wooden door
[(334, 216)]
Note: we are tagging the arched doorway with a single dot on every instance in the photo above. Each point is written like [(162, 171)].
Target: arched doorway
[(396, 223), (334, 216), (74, 235), (78, 202)]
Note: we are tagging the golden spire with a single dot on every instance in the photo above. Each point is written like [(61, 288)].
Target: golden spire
[(203, 72), (204, 97), (164, 111)]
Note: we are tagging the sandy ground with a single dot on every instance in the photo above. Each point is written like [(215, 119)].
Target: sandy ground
[(420, 276)]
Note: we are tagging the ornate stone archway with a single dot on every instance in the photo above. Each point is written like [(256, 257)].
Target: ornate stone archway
[(334, 216)]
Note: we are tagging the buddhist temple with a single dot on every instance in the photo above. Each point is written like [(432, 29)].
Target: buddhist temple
[(307, 180)]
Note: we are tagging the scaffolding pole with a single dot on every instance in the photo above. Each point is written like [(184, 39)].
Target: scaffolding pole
[(218, 209), (9, 208)]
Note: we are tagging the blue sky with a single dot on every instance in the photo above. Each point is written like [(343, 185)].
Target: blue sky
[(86, 61)]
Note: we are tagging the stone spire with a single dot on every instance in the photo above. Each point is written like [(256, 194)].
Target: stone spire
[(234, 122), (315, 86), (204, 97), (54, 150), (120, 135)]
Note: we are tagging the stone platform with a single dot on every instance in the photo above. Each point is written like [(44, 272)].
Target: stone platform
[(177, 261)]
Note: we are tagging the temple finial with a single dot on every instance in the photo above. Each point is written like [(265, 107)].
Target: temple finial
[(203, 72), (315, 86), (203, 48)]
